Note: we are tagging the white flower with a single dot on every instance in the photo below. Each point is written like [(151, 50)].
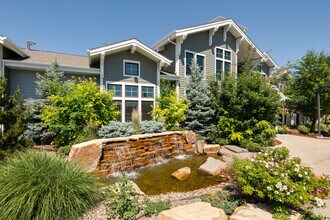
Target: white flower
[(266, 166), (305, 173), (288, 193), (266, 154), (300, 197), (275, 173), (247, 167), (304, 188), (252, 159), (319, 202), (296, 169), (285, 187), (259, 152), (297, 165), (275, 192), (269, 188), (281, 189), (282, 175), (291, 190), (278, 185), (300, 175)]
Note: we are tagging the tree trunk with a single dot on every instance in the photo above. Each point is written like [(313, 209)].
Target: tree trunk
[(313, 120)]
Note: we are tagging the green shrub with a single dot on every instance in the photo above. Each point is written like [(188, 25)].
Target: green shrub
[(272, 177), (223, 200), (151, 127), (151, 208), (123, 129), (251, 146), (303, 129), (37, 185), (123, 201), (264, 133), (64, 150), (116, 129)]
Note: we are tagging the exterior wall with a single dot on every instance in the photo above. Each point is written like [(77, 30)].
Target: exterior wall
[(199, 43), (25, 80), (114, 74), (114, 68), (169, 52)]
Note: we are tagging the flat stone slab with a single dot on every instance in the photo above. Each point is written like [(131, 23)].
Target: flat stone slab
[(236, 149), (195, 211), (213, 166), (249, 211), (211, 148)]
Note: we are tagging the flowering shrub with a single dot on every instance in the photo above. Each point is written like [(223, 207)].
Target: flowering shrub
[(271, 176)]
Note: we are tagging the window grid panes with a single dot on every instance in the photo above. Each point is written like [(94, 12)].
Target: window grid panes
[(147, 92), (116, 90), (129, 107), (222, 63), (131, 91), (146, 108), (199, 59), (258, 68), (131, 69)]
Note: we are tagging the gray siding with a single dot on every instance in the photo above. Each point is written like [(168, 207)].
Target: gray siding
[(113, 68), (1, 51), (169, 52), (199, 43), (25, 80)]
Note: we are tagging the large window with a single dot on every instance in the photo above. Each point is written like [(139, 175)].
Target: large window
[(200, 60), (119, 109), (258, 68), (146, 108), (147, 92), (222, 62), (129, 107), (117, 89), (131, 91), (131, 68)]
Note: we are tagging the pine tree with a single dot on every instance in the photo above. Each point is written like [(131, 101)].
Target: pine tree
[(13, 118), (52, 82), (200, 113)]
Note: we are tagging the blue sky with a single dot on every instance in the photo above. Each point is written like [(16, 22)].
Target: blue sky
[(284, 28)]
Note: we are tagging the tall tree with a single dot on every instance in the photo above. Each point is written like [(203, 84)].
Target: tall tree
[(200, 112), (313, 69), (13, 118)]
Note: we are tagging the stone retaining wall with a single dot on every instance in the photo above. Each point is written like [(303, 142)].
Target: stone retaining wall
[(106, 156)]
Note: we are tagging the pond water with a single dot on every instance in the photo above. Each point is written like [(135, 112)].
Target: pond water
[(157, 179)]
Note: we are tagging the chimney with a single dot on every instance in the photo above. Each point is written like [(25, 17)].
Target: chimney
[(30, 43)]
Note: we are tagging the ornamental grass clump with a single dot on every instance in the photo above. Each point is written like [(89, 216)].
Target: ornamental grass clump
[(282, 182), (38, 186)]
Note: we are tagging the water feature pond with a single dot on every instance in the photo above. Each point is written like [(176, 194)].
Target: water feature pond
[(157, 179)]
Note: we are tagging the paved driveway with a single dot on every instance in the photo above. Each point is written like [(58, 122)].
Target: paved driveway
[(313, 152)]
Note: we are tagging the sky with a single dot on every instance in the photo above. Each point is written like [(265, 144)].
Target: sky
[(284, 28)]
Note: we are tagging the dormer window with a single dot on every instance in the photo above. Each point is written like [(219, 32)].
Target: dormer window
[(131, 68)]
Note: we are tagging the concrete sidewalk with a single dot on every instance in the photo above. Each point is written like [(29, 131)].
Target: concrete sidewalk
[(313, 152)]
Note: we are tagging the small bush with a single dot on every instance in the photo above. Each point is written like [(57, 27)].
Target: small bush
[(123, 202), (151, 127), (64, 151), (37, 186), (116, 129), (251, 146), (274, 178), (223, 200), (151, 208), (303, 129)]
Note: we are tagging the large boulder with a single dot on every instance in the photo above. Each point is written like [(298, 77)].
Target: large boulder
[(195, 211), (200, 147), (213, 166), (182, 173), (249, 211), (190, 136), (137, 189), (87, 154)]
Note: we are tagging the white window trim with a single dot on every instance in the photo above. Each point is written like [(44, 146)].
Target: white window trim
[(114, 90), (195, 54), (131, 61), (222, 59), (139, 98)]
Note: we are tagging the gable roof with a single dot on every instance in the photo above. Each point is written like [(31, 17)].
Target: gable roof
[(132, 44), (12, 46), (235, 29)]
